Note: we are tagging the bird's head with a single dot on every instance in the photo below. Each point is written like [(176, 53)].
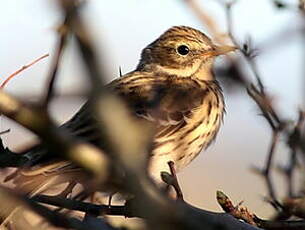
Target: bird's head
[(181, 51)]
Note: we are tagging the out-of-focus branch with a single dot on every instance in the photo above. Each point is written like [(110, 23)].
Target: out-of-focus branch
[(302, 12), (60, 220), (84, 41), (295, 206), (86, 156), (9, 158), (10, 199), (281, 225), (93, 209), (63, 36), (209, 22), (38, 121)]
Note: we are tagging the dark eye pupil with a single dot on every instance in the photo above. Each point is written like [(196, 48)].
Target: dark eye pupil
[(183, 50)]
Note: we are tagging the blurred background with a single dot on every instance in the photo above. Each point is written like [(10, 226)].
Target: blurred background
[(121, 30)]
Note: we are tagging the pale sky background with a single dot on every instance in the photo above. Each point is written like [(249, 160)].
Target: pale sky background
[(121, 28)]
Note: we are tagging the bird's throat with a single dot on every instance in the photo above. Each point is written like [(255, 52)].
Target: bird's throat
[(200, 70)]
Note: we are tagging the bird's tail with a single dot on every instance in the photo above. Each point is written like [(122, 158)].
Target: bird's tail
[(41, 178), (38, 179)]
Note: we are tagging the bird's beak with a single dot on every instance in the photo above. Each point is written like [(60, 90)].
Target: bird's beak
[(219, 50)]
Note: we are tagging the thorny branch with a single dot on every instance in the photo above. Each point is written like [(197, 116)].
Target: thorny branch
[(279, 126), (245, 50)]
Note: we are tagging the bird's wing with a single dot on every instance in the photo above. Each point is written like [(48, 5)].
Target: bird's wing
[(168, 101), (38, 178)]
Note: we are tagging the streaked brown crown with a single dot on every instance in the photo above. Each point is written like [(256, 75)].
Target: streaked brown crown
[(164, 50)]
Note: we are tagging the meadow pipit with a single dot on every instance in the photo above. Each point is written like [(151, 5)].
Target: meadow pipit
[(178, 68)]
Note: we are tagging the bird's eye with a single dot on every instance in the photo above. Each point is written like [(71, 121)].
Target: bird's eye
[(183, 50)]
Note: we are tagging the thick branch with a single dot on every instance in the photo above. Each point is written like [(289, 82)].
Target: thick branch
[(60, 143)]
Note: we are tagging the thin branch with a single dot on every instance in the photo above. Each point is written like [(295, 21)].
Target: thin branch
[(60, 220), (228, 7), (293, 141), (277, 127), (265, 106), (266, 171), (4, 83), (93, 209)]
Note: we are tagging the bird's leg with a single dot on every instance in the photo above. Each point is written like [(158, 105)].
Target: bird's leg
[(172, 180)]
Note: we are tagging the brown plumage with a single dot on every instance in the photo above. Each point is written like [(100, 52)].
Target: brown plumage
[(173, 86)]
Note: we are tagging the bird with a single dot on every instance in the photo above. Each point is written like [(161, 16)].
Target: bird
[(176, 68)]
